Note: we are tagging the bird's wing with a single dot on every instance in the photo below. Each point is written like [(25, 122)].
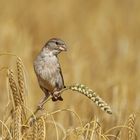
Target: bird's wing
[(61, 75), (60, 80)]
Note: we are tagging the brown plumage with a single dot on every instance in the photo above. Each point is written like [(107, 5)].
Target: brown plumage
[(48, 70)]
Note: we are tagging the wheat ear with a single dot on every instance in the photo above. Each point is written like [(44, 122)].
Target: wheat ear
[(131, 125), (13, 86), (17, 123), (20, 76), (41, 128), (32, 131), (92, 96), (35, 130)]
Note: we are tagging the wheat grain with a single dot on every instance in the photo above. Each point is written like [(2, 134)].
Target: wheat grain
[(92, 96)]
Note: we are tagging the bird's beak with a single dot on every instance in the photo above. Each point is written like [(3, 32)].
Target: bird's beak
[(62, 48)]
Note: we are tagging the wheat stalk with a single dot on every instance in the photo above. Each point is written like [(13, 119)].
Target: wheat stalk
[(84, 90), (92, 96), (17, 123)]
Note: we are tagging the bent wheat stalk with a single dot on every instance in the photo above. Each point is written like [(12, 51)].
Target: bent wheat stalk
[(85, 91), (90, 94)]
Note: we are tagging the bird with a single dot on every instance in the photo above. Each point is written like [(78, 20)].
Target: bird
[(48, 69)]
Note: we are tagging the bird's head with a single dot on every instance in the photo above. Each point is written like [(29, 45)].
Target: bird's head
[(55, 46)]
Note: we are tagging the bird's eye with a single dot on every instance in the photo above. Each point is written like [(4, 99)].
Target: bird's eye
[(57, 43)]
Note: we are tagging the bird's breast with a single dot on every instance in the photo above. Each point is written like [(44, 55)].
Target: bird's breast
[(47, 71)]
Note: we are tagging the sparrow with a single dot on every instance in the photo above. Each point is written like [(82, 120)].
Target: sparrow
[(48, 69)]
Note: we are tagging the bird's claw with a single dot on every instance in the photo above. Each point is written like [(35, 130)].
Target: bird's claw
[(56, 94)]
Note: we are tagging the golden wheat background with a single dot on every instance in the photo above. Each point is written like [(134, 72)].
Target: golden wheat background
[(104, 54)]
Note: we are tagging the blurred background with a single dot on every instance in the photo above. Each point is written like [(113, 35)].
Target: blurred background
[(104, 53)]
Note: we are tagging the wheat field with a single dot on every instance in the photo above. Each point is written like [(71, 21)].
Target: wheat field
[(103, 54)]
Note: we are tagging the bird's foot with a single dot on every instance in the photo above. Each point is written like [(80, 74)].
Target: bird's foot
[(56, 94)]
